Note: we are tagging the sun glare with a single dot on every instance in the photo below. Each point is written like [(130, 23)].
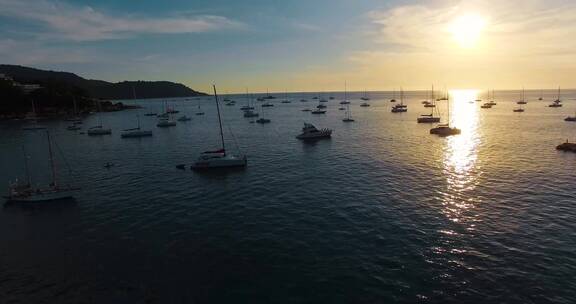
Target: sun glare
[(466, 30)]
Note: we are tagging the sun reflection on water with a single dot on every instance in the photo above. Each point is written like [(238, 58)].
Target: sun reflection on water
[(460, 155)]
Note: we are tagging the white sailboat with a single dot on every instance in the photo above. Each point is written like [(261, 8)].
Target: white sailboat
[(348, 117), (136, 132), (99, 129), (262, 120), (166, 121), (25, 193), (219, 158)]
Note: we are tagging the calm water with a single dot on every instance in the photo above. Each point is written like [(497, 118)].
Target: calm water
[(382, 212)]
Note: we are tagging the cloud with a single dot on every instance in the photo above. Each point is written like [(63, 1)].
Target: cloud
[(518, 27), (64, 21)]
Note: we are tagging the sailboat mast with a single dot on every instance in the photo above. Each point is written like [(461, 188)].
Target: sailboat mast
[(52, 163), (219, 119), (28, 179), (74, 103), (448, 111), (345, 91)]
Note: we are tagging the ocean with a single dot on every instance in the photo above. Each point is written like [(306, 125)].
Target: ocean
[(382, 212)]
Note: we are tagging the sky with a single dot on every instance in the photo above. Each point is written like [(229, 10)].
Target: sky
[(299, 45)]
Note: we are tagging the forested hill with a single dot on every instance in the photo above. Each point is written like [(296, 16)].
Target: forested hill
[(98, 88)]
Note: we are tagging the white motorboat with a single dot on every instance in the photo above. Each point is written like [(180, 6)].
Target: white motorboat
[(311, 132)]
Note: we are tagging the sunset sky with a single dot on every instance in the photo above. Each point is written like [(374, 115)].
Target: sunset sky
[(299, 45)]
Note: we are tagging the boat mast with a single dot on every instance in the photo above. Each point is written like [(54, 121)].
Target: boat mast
[(52, 163), (28, 179), (74, 103), (448, 111), (219, 119), (345, 91)]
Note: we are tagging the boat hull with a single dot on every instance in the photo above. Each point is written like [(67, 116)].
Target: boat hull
[(43, 196), (99, 132), (136, 134), (567, 147), (445, 131), (219, 164), (428, 119)]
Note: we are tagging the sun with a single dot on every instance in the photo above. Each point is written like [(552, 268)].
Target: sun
[(467, 29)]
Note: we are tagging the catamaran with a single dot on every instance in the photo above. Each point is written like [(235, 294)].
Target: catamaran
[(556, 103), (445, 129), (400, 108), (219, 158), (25, 193)]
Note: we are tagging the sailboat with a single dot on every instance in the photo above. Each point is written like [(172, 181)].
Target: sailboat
[(522, 101), (33, 119), (348, 117), (25, 193), (166, 120), (136, 132), (286, 100), (219, 158), (393, 96), (248, 99), (491, 102), (432, 102), (262, 120), (570, 118), (445, 129), (557, 103), (345, 101), (365, 97), (430, 118), (75, 118), (541, 96), (99, 129), (400, 108)]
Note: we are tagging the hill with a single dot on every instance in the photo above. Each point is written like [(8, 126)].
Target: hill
[(99, 88)]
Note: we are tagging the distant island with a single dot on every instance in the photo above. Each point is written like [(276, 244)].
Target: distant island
[(55, 92)]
